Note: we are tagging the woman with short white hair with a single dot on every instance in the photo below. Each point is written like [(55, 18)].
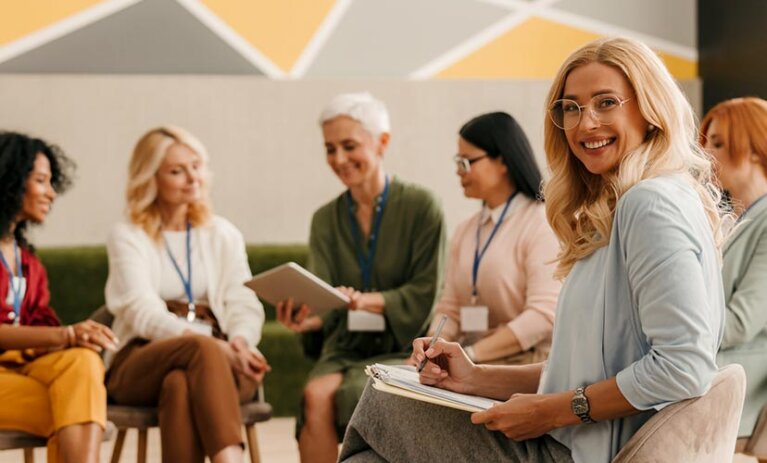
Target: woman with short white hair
[(381, 242)]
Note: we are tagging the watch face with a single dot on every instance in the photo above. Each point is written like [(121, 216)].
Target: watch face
[(580, 405)]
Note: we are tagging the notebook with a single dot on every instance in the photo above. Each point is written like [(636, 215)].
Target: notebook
[(402, 380), (292, 280)]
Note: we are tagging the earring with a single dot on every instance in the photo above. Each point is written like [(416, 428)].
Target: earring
[(650, 128)]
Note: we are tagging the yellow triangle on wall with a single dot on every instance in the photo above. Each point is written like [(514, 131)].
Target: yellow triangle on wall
[(21, 18), (534, 50), (278, 29)]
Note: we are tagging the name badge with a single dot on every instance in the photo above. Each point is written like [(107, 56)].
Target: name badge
[(198, 326), (474, 318), (362, 320)]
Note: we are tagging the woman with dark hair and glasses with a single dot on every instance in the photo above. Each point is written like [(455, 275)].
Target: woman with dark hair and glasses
[(500, 293), (51, 377)]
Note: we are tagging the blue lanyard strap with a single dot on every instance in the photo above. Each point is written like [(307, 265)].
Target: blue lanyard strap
[(366, 262), (16, 289), (187, 282), (479, 254)]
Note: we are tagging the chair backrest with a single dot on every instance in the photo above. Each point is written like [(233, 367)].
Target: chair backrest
[(700, 430), (102, 315)]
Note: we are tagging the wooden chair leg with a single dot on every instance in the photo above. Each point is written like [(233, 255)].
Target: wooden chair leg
[(117, 450), (29, 455), (255, 455), (142, 435)]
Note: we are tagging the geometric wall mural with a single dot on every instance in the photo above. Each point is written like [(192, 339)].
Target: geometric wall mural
[(295, 39)]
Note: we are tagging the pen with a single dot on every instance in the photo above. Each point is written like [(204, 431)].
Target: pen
[(434, 338)]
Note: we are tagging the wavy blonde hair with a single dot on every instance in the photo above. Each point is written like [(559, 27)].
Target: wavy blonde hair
[(141, 193), (580, 206)]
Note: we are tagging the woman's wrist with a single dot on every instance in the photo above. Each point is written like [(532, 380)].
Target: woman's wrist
[(71, 336), (474, 380)]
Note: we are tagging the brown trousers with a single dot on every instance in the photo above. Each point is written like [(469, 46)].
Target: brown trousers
[(190, 381)]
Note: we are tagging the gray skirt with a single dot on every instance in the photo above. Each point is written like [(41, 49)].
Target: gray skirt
[(389, 428)]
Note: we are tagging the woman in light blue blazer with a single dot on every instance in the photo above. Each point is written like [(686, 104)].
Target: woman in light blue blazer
[(735, 133), (641, 313)]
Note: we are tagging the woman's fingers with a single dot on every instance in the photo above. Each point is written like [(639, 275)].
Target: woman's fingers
[(301, 315)]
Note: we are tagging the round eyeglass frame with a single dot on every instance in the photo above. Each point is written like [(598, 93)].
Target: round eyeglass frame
[(597, 114)]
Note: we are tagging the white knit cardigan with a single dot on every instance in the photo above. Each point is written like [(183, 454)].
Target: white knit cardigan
[(132, 289)]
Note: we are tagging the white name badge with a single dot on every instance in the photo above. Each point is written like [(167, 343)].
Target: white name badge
[(198, 326), (474, 318), (362, 320)]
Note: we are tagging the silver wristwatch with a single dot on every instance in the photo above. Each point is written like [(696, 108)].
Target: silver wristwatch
[(580, 405)]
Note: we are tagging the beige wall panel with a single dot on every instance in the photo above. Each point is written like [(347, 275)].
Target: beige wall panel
[(265, 145)]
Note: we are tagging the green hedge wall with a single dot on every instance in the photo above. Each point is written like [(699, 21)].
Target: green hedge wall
[(77, 275)]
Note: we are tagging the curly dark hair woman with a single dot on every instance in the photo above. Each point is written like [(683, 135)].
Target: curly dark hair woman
[(48, 370), (18, 153)]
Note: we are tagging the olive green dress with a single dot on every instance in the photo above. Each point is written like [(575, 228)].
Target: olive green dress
[(407, 270)]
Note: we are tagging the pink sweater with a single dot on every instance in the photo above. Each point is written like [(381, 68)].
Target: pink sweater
[(515, 279)]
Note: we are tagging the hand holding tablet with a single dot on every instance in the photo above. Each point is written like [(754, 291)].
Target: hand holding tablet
[(291, 281)]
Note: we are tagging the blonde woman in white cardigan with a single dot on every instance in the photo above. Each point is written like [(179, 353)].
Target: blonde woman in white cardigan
[(189, 326)]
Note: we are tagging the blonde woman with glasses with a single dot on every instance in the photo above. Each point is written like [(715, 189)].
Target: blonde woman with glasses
[(641, 313), (189, 326)]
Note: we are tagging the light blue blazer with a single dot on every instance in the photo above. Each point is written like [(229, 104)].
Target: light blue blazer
[(647, 308), (744, 273)]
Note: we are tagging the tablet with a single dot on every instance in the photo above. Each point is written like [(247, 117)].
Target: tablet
[(292, 280)]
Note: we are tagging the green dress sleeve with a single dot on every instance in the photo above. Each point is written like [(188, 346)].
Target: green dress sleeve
[(319, 263), (407, 307)]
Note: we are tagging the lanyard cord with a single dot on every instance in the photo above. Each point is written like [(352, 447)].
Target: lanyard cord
[(16, 289), (366, 263), (187, 282), (479, 254)]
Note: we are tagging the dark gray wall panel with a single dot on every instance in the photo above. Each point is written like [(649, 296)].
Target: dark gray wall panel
[(150, 37)]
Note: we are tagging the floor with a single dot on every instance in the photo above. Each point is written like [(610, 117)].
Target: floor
[(275, 438)]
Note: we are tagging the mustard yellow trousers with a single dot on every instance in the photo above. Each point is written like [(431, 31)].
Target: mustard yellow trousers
[(51, 392)]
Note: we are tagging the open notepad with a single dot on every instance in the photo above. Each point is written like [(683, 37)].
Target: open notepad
[(402, 380)]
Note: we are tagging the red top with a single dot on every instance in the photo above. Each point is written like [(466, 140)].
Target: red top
[(35, 310)]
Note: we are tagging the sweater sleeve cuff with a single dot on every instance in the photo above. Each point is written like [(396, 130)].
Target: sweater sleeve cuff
[(251, 338), (530, 328)]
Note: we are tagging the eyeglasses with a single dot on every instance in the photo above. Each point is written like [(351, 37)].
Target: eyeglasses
[(566, 114), (464, 164)]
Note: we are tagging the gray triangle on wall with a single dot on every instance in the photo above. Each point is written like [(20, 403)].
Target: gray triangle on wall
[(150, 37)]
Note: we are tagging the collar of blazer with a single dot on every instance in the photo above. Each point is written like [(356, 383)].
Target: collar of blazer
[(757, 214)]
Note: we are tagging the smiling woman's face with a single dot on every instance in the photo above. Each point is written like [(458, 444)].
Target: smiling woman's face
[(598, 146), (351, 151), (38, 192)]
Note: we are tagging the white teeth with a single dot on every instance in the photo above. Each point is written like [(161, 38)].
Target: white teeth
[(596, 144)]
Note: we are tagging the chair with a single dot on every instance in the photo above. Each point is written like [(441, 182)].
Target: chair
[(700, 430), (127, 417), (756, 444), (12, 440)]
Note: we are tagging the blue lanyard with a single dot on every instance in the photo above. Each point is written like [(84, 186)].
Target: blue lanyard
[(187, 282), (16, 289), (366, 263), (479, 254)]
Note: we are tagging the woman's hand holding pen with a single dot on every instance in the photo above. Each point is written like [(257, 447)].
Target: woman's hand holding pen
[(447, 367), (300, 320)]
